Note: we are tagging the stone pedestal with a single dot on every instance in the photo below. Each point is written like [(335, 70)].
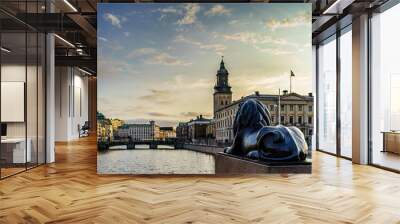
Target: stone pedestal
[(229, 164)]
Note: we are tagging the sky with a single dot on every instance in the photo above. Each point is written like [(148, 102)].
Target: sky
[(159, 61)]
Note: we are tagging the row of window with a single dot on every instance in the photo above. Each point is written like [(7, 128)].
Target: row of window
[(272, 107), (226, 113), (291, 107), (291, 119), (228, 122), (224, 102), (224, 134)]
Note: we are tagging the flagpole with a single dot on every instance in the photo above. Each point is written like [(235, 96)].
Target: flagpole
[(279, 106), (291, 76)]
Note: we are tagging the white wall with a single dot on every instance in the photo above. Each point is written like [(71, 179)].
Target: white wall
[(71, 103)]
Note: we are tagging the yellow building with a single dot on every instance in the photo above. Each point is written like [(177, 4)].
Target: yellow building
[(167, 132), (116, 123)]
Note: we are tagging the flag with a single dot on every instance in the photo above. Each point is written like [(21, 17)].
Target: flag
[(291, 73)]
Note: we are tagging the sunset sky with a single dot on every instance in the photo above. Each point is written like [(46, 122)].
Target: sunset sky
[(159, 61)]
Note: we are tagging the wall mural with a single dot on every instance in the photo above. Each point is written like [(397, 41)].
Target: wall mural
[(204, 88)]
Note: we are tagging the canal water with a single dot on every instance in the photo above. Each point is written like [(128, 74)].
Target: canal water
[(154, 161)]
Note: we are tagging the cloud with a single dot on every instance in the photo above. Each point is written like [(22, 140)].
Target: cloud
[(113, 19), (194, 114), (127, 34), (299, 20), (217, 10), (171, 10), (158, 96), (155, 56), (108, 66), (168, 11), (157, 114), (163, 58), (140, 52), (255, 38), (233, 22), (103, 39), (218, 48), (275, 51), (191, 9)]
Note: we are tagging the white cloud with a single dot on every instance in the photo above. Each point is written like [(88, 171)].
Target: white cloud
[(190, 17), (113, 19), (127, 34), (103, 39), (163, 58), (233, 22), (217, 10), (140, 52), (154, 56), (256, 38), (299, 20), (169, 10), (275, 51), (113, 67), (218, 48)]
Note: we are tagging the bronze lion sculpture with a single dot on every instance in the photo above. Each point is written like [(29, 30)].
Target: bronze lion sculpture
[(255, 138)]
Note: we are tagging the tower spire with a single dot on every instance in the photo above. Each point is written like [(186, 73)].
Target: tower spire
[(222, 90), (222, 65)]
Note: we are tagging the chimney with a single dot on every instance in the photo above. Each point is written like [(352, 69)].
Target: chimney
[(257, 93), (310, 94), (201, 116), (285, 92)]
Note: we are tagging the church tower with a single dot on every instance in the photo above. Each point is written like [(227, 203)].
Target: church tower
[(222, 90)]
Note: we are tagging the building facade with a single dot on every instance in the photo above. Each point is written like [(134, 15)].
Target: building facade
[(167, 132), (116, 123), (197, 129), (289, 109), (105, 130), (139, 132), (182, 131)]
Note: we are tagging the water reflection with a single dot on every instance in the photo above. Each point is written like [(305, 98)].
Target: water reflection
[(154, 161)]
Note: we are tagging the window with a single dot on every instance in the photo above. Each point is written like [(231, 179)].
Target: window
[(346, 93), (310, 109), (282, 119), (327, 95), (273, 118), (291, 107), (22, 65), (309, 119), (385, 87), (300, 119), (282, 107), (291, 120), (300, 107), (271, 107)]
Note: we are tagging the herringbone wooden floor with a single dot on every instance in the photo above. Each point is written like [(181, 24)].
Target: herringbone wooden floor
[(70, 191)]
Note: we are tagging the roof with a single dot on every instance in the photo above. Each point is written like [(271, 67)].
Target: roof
[(134, 125)]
